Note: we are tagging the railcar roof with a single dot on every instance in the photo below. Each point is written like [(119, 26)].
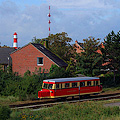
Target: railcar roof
[(70, 79)]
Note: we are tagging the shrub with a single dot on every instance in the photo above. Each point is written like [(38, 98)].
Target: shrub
[(58, 72), (108, 80), (4, 112)]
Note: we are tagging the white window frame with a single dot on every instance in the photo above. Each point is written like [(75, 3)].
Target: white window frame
[(39, 64)]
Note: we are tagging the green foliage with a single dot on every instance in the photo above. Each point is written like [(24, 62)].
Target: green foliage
[(89, 62), (8, 99), (25, 87), (35, 40), (71, 68), (27, 73), (108, 81), (4, 112), (59, 44), (111, 52), (77, 111), (58, 72)]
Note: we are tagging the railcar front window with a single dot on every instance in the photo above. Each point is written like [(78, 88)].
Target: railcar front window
[(45, 86), (50, 86)]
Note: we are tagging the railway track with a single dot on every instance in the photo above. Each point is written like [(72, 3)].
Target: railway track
[(50, 103)]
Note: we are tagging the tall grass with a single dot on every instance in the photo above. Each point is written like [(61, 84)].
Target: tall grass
[(8, 99), (77, 111)]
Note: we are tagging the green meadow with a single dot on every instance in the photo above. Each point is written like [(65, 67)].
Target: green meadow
[(78, 111)]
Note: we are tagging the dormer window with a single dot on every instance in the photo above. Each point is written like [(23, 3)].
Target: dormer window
[(39, 60)]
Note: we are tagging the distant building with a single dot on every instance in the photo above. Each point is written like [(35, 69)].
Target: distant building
[(34, 56), (5, 59), (78, 47)]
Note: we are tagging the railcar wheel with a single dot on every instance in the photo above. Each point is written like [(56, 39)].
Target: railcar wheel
[(63, 98), (72, 97)]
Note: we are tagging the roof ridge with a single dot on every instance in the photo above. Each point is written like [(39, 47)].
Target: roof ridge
[(50, 54)]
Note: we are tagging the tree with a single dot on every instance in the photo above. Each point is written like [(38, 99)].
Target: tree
[(58, 44), (111, 52), (89, 62), (35, 40), (58, 72)]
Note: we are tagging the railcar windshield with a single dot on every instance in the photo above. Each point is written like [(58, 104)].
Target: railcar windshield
[(47, 86)]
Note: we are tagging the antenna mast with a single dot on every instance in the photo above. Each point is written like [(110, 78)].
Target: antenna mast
[(49, 15)]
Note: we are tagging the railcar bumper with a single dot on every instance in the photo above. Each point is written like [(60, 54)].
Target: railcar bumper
[(44, 94)]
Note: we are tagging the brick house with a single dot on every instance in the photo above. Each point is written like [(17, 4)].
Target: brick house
[(5, 59), (34, 56), (79, 48)]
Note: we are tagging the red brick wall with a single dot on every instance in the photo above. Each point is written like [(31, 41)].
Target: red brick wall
[(26, 59)]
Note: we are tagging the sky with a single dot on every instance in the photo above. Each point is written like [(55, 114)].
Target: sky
[(78, 18)]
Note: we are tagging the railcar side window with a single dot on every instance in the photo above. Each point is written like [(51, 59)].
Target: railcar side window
[(89, 83), (61, 86), (82, 84), (93, 83), (50, 86), (67, 85), (74, 84), (96, 83), (57, 86)]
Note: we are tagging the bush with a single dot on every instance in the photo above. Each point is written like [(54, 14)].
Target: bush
[(108, 80), (4, 112), (27, 87), (58, 72)]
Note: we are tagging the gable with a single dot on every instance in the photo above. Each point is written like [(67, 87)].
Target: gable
[(5, 55), (41, 49)]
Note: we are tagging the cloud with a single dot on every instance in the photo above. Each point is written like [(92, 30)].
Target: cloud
[(28, 22), (79, 18)]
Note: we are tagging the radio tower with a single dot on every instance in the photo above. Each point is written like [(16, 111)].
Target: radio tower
[(49, 15)]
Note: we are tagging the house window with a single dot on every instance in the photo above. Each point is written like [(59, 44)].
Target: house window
[(40, 61)]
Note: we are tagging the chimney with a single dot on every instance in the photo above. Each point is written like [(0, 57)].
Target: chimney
[(76, 41), (15, 44), (44, 43)]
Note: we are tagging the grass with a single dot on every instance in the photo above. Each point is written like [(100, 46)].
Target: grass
[(77, 111), (8, 99), (111, 90)]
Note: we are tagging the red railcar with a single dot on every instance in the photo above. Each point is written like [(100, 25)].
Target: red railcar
[(64, 87)]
